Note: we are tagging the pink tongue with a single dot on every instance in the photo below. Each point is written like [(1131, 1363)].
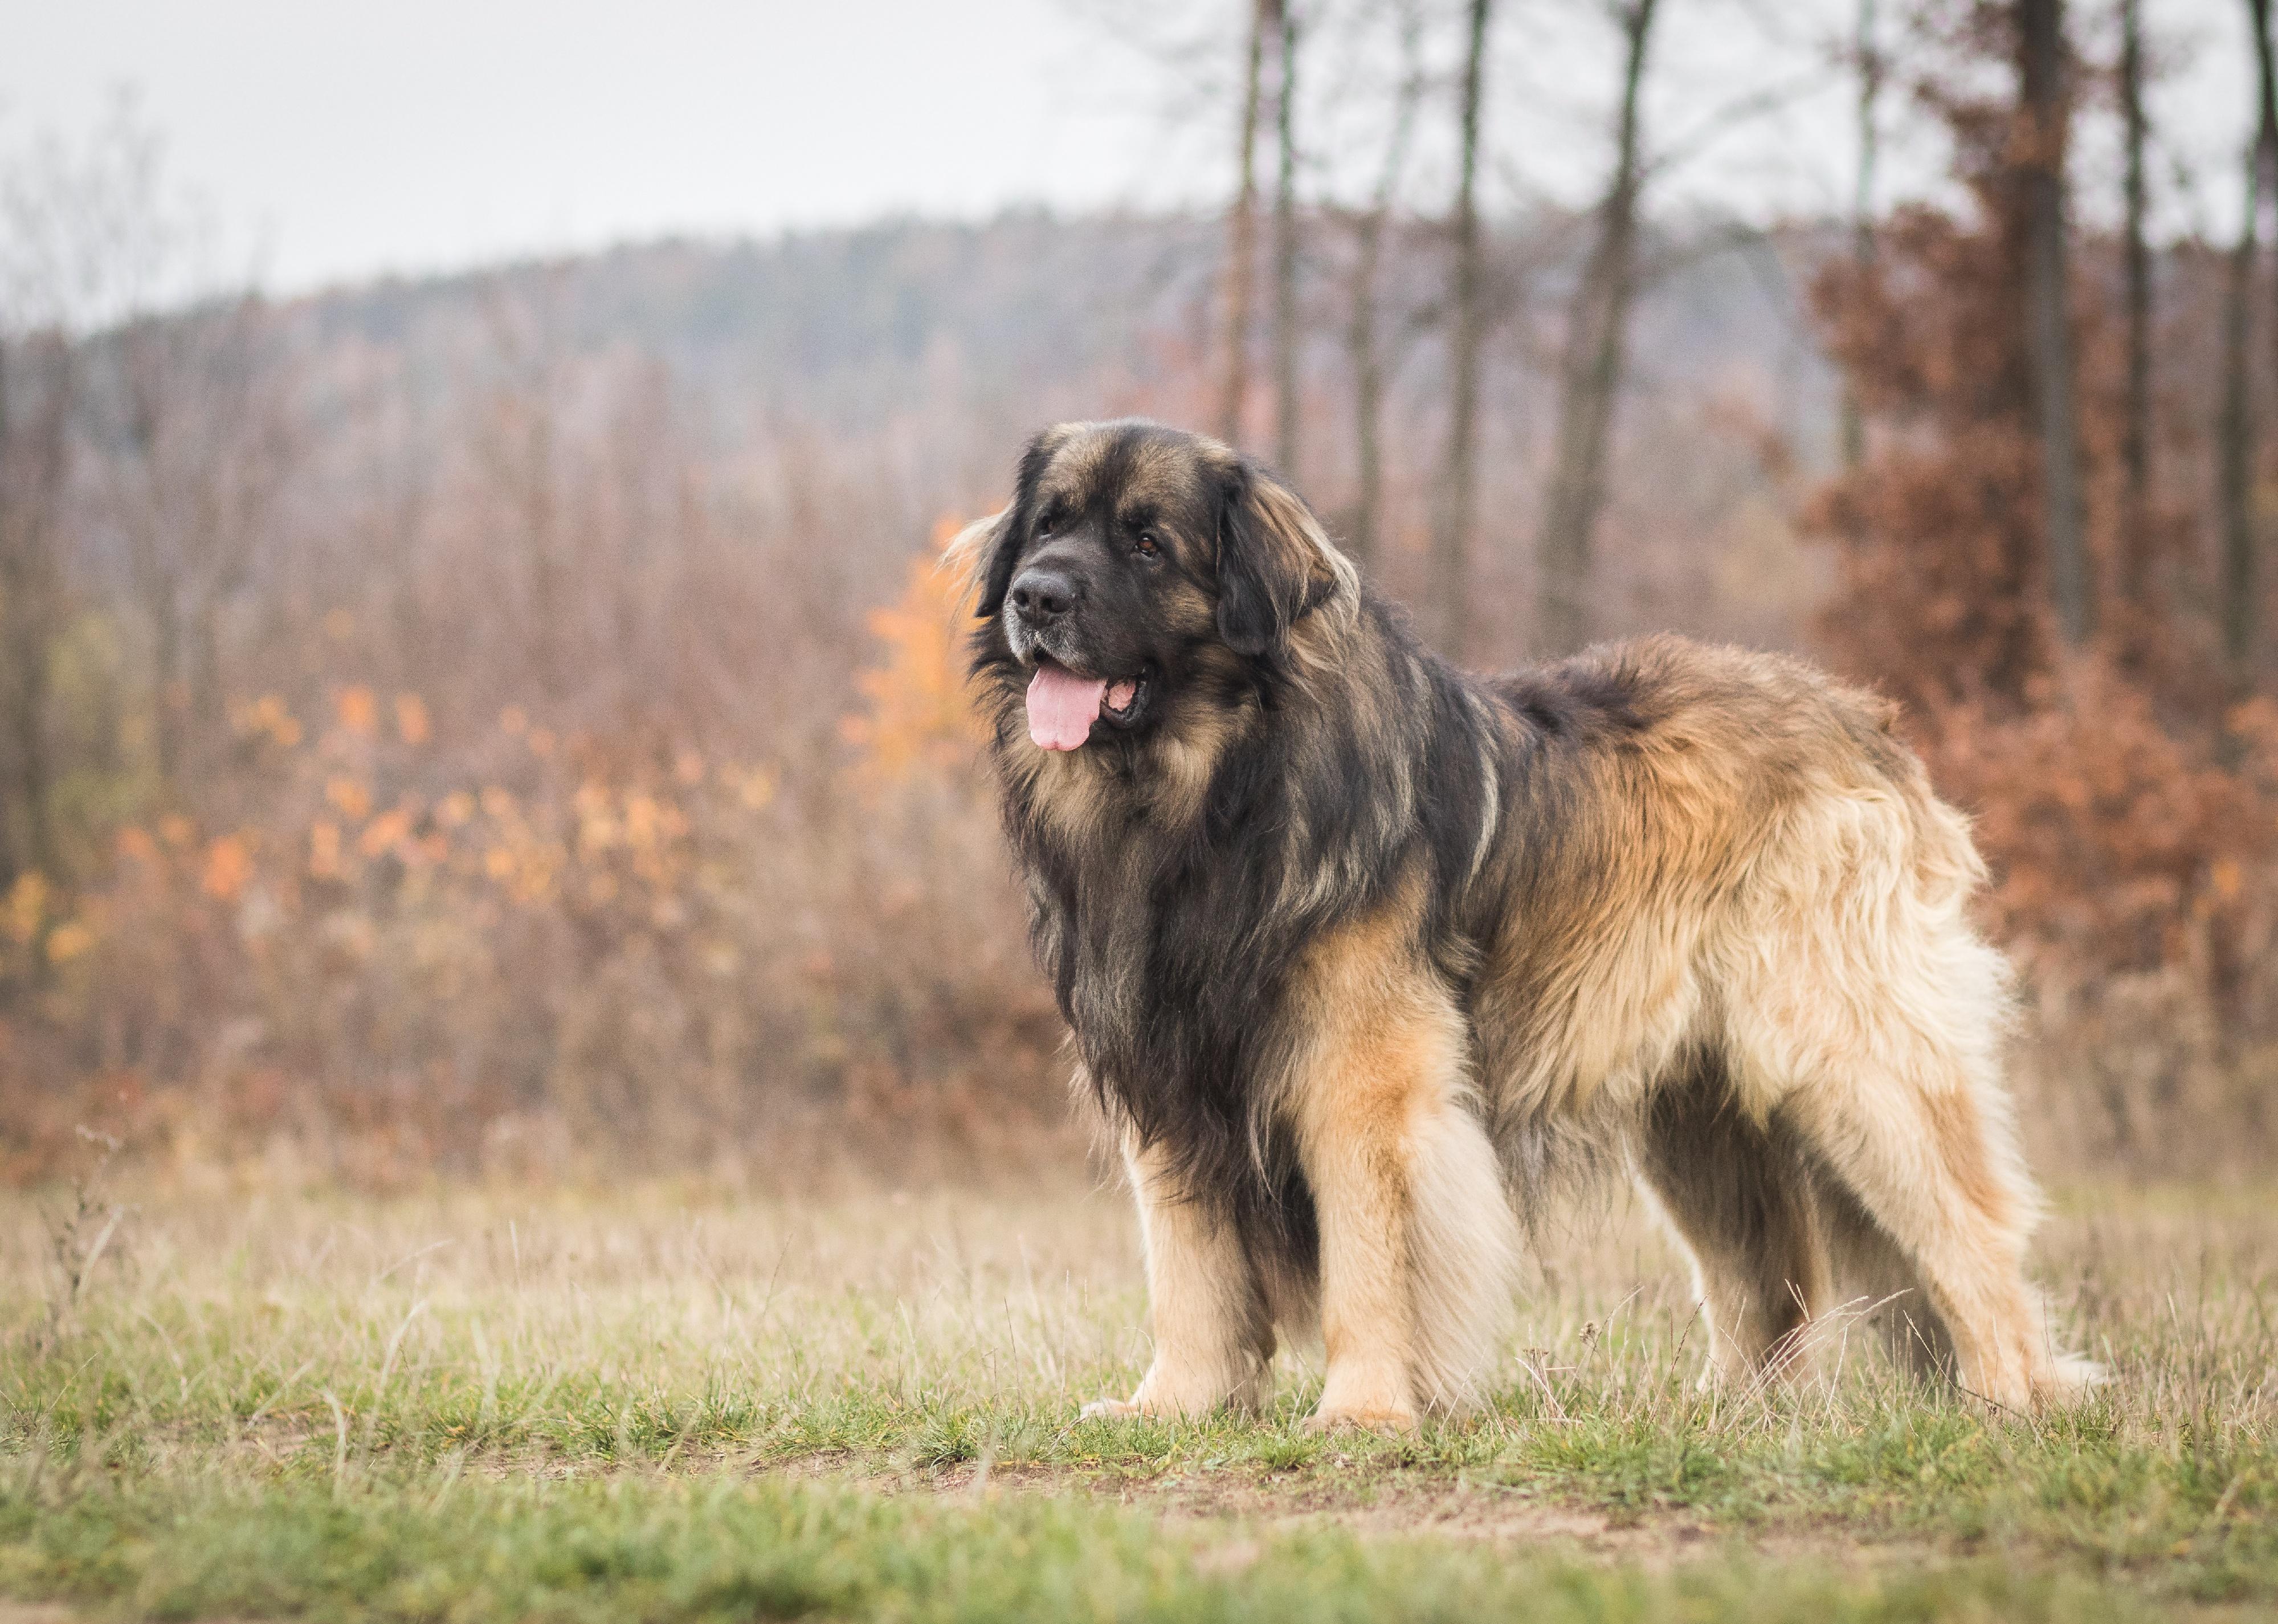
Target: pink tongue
[(1062, 708)]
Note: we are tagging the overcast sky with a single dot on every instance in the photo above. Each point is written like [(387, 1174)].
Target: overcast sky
[(330, 140)]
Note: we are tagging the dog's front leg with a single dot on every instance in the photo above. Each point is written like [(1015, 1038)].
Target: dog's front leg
[(1356, 1163), (1417, 1238), (1213, 1336)]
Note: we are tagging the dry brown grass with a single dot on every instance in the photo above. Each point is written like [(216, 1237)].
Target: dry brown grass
[(387, 1359)]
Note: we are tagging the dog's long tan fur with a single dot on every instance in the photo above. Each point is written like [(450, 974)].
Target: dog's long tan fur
[(1706, 919)]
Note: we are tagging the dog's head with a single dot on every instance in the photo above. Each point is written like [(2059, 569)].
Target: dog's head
[(1132, 558)]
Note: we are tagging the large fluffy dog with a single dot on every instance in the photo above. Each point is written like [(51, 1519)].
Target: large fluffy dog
[(1358, 950)]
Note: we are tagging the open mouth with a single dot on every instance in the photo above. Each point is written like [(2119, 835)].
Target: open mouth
[(1063, 707)]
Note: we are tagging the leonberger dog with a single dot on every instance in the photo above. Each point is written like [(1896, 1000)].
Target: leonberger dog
[(1361, 953)]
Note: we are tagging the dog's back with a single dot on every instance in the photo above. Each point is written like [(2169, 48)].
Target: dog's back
[(1741, 947)]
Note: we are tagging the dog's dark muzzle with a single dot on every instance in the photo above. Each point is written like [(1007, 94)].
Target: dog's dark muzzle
[(1042, 597)]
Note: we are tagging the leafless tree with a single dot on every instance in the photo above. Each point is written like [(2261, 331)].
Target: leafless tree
[(184, 418), (1288, 334), (1590, 372), (1364, 345), (2044, 106), (82, 234), (2135, 429), (2234, 435), (1451, 540), (38, 380), (197, 404), (1868, 58), (519, 444), (1242, 228)]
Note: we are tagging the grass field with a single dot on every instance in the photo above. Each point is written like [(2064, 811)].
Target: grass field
[(671, 1404)]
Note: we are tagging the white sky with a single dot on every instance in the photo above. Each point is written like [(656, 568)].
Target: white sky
[(332, 139)]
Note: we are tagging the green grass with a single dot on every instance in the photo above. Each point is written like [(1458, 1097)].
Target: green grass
[(672, 1405), (719, 1546)]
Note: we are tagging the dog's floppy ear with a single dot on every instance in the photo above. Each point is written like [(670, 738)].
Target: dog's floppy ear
[(1275, 565), (995, 544), (970, 553)]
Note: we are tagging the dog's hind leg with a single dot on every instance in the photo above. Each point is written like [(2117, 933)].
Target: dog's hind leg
[(1737, 1197), (1418, 1239), (1927, 1155), (1213, 1334), (1872, 1275), (1876, 1020)]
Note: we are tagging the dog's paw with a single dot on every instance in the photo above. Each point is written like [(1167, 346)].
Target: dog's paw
[(2072, 1380), (1398, 1420)]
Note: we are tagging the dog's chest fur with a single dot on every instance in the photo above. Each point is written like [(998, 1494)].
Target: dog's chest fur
[(1167, 950), (1173, 940)]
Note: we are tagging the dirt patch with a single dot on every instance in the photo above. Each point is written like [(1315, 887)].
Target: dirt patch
[(1395, 1505), (1440, 1508), (1374, 1507)]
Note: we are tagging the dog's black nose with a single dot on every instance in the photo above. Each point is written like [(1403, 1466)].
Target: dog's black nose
[(1041, 595)]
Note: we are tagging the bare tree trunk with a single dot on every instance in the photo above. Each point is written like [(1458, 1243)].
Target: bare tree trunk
[(1591, 372), (149, 373), (1361, 341), (2265, 136), (2234, 437), (1368, 392), (162, 600), (2136, 431), (1286, 333), (541, 541), (1241, 233), (1863, 210), (34, 461), (2047, 110), (2233, 440), (1451, 542), (204, 449)]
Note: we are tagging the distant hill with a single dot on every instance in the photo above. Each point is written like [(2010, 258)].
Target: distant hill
[(834, 328)]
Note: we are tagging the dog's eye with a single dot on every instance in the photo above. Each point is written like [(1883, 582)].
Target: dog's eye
[(1147, 546)]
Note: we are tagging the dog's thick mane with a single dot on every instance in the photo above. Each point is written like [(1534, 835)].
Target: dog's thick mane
[(1171, 924)]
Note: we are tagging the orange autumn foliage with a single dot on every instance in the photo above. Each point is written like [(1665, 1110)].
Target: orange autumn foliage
[(2129, 817), (918, 714)]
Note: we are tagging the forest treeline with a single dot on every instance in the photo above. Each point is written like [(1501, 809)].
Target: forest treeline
[(510, 722)]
